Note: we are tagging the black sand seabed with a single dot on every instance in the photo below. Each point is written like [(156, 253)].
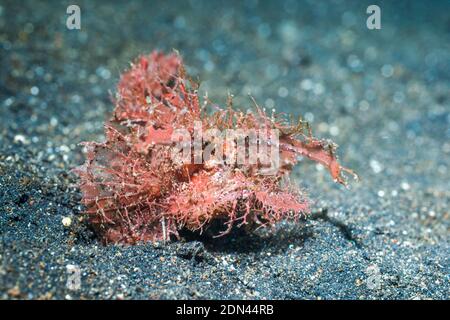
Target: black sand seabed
[(383, 96)]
